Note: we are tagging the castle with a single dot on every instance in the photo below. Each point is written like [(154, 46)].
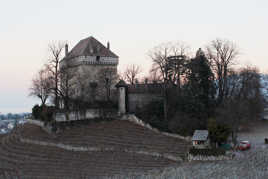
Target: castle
[(92, 76), (91, 69)]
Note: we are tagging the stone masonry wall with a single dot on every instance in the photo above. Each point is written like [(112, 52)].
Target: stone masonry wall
[(209, 158), (139, 100)]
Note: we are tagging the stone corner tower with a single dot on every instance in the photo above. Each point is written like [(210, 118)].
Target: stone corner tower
[(92, 68)]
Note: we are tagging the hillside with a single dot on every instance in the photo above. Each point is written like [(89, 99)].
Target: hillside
[(88, 151)]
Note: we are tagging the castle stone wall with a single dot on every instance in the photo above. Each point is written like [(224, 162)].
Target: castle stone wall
[(139, 100), (85, 71)]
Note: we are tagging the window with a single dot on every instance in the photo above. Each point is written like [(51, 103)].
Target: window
[(98, 58), (199, 142), (107, 81)]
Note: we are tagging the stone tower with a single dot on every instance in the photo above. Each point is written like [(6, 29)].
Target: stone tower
[(91, 68)]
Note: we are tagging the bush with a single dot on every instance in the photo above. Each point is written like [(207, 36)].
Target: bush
[(43, 113), (207, 152), (36, 111), (47, 113), (183, 124), (218, 132), (153, 114)]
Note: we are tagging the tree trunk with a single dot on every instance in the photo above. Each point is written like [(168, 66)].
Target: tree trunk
[(165, 103)]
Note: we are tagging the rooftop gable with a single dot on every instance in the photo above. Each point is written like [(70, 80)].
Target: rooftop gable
[(200, 135), (90, 47)]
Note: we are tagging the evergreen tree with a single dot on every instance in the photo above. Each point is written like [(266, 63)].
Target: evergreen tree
[(200, 88)]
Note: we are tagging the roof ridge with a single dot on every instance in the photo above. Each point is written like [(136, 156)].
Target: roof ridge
[(90, 46)]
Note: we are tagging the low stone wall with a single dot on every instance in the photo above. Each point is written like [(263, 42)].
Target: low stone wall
[(88, 114), (97, 149), (36, 122), (209, 158), (134, 119), (64, 146), (40, 124)]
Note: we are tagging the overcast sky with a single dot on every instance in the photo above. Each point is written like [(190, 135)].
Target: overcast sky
[(132, 27)]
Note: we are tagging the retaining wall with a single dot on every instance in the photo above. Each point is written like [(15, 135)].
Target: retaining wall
[(136, 120), (209, 158)]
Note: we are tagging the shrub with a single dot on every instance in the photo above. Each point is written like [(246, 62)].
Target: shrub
[(36, 111), (183, 124), (153, 114), (207, 152), (43, 113), (218, 132), (47, 113)]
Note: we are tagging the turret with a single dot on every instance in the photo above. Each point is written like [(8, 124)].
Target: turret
[(200, 52), (121, 86)]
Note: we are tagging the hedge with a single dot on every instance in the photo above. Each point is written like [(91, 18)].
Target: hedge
[(207, 152)]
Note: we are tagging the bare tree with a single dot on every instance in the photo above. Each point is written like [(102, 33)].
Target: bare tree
[(168, 61), (154, 76), (131, 73), (233, 84), (55, 50), (222, 54), (168, 66), (65, 91), (41, 86), (244, 101)]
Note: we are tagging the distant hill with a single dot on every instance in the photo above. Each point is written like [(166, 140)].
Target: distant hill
[(14, 116), (264, 84)]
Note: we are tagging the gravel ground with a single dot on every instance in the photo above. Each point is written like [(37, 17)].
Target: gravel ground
[(250, 164)]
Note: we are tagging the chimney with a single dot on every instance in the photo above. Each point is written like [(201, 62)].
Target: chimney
[(108, 45), (66, 50)]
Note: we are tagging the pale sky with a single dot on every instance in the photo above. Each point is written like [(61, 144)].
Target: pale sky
[(131, 27)]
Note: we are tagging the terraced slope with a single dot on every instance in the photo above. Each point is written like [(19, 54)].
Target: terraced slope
[(120, 135), (38, 161), (34, 161)]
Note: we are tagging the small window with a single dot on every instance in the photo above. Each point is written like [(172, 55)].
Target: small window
[(107, 81), (201, 142), (98, 58)]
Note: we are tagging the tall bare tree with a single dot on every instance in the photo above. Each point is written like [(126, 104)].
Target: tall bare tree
[(55, 50), (244, 102), (169, 68), (153, 77), (222, 54), (131, 73), (41, 86), (65, 91), (250, 83), (166, 63)]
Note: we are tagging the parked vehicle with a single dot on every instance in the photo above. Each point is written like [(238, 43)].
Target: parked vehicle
[(244, 145)]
